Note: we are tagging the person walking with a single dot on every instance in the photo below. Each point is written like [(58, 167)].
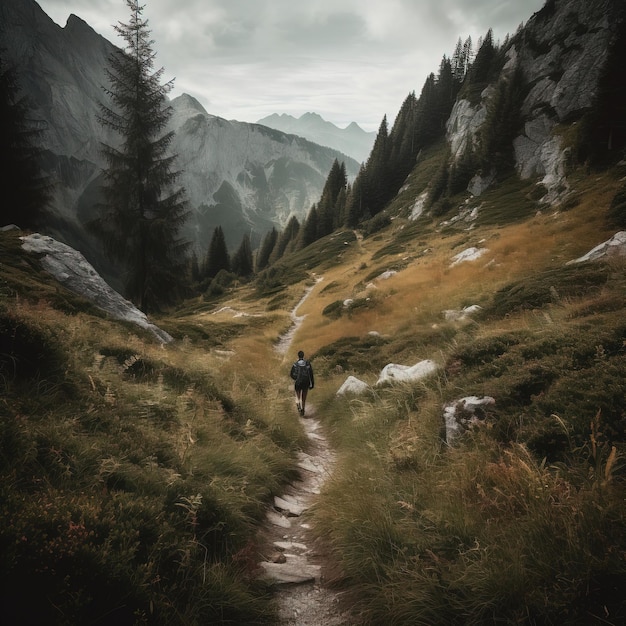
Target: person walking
[(302, 374)]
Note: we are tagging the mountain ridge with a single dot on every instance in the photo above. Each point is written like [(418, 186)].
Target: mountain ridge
[(62, 71), (352, 139)]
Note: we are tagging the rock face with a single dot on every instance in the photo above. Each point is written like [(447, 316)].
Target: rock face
[(561, 51), (614, 247), (244, 177), (73, 271)]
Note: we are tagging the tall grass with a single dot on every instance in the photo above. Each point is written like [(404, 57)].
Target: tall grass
[(522, 520), (133, 479)]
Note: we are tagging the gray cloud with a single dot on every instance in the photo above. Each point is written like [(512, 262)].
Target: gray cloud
[(348, 60)]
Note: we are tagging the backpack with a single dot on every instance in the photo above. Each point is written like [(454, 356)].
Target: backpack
[(303, 374)]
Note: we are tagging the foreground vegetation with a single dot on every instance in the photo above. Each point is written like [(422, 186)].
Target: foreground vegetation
[(135, 476), (521, 520), (133, 482)]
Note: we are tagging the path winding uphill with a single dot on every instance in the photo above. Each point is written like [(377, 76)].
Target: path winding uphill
[(293, 561)]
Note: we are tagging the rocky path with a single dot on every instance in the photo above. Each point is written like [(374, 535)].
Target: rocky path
[(292, 559), (293, 562)]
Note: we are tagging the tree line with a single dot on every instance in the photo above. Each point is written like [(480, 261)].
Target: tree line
[(143, 209)]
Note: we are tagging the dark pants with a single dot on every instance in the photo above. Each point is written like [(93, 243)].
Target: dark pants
[(301, 393)]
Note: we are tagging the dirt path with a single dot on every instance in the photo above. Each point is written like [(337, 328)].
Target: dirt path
[(284, 343), (293, 561)]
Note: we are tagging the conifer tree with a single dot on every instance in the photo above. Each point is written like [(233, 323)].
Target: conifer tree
[(21, 177), (482, 65), (377, 170), (267, 246), (287, 237), (327, 209), (241, 263), (310, 228), (502, 122), (142, 212), (355, 207), (217, 258)]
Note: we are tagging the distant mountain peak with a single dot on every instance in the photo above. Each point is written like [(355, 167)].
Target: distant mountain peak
[(185, 101), (352, 140)]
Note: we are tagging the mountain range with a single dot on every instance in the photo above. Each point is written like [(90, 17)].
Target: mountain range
[(247, 178), (352, 139)]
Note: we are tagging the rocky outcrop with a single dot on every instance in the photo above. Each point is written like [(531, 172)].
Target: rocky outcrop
[(73, 271), (614, 247), (561, 52)]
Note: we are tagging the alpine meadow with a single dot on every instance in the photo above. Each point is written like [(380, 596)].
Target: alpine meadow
[(461, 297)]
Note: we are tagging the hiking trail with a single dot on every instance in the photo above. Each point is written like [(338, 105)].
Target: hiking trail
[(293, 560)]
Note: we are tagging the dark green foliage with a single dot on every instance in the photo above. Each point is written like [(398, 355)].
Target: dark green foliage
[(310, 228), (267, 247), (353, 354), (217, 258), (616, 215), (142, 213), (330, 211), (482, 67), (502, 123), (377, 223), (419, 124), (603, 139), (29, 355), (462, 171), (25, 188), (287, 240), (548, 287), (242, 263)]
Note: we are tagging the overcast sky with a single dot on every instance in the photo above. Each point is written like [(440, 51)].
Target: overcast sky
[(348, 60)]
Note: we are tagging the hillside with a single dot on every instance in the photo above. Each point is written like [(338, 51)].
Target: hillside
[(470, 368), (144, 463)]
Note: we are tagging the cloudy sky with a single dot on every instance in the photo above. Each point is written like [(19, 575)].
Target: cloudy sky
[(348, 60)]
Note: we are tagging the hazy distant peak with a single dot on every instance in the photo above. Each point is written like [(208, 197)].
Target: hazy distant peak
[(352, 140)]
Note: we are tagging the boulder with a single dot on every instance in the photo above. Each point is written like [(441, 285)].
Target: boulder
[(471, 254), (615, 246), (461, 414), (73, 271), (404, 373), (352, 385)]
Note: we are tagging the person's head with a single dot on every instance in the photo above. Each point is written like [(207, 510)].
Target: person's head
[(300, 354)]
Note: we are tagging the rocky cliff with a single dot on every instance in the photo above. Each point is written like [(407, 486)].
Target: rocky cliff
[(561, 52)]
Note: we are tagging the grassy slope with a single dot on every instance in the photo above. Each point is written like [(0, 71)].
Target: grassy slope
[(523, 521), (113, 438)]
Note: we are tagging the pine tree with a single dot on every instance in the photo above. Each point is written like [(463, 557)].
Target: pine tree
[(287, 237), (502, 123), (355, 206), (327, 209), (267, 246), (241, 263), (377, 170), (21, 177), (310, 228), (142, 213), (217, 258), (483, 63)]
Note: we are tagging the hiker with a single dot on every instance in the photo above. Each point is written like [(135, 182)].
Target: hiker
[(302, 374)]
